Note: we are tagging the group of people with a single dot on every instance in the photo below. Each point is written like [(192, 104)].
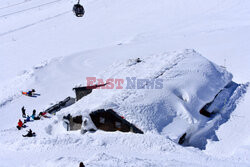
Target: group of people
[(28, 118), (33, 116), (21, 125)]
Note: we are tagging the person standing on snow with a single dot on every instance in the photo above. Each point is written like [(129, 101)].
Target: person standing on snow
[(23, 112), (33, 114)]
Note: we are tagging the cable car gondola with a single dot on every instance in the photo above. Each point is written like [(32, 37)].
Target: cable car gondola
[(78, 9)]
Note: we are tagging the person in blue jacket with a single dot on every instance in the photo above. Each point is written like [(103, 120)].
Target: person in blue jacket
[(33, 114), (27, 119), (33, 117)]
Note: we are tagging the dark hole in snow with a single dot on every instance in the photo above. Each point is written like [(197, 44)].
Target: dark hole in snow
[(204, 112), (223, 104), (73, 123), (182, 139), (108, 120), (219, 101), (77, 119)]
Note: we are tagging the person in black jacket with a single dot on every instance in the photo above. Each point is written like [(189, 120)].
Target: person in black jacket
[(23, 112), (29, 134), (34, 112)]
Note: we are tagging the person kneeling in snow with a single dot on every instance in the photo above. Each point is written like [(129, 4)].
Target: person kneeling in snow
[(30, 134), (19, 124)]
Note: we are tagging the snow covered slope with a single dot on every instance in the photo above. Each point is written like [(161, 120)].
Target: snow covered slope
[(44, 46), (33, 31), (162, 113)]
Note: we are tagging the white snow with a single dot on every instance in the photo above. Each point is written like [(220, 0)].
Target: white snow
[(45, 47), (154, 109)]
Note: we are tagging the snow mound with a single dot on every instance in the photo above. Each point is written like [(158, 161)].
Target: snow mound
[(183, 83)]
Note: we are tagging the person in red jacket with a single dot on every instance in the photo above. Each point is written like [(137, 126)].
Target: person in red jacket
[(19, 124)]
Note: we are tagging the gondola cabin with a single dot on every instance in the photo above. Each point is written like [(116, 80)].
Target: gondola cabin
[(78, 10)]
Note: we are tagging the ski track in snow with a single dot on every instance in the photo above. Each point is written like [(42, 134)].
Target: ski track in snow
[(35, 23), (28, 9), (13, 5)]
